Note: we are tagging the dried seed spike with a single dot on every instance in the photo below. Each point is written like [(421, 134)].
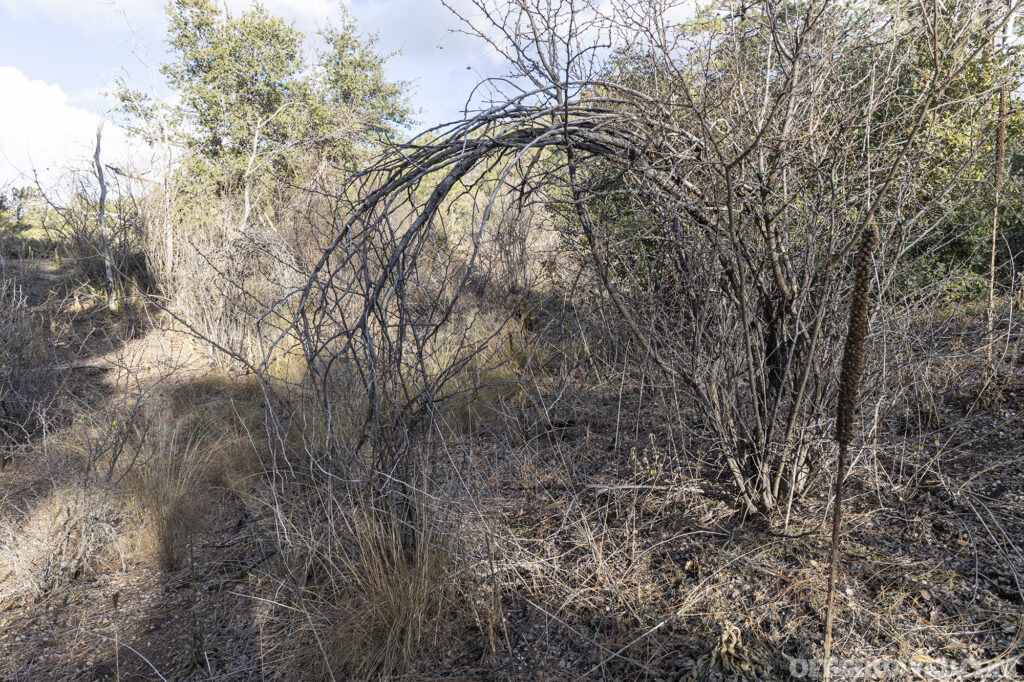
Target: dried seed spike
[(849, 381), (853, 355)]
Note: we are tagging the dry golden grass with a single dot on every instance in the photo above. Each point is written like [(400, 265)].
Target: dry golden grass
[(170, 486), (126, 485), (467, 372), (387, 604), (372, 603)]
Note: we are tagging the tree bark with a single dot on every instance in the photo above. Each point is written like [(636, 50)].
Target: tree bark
[(107, 261)]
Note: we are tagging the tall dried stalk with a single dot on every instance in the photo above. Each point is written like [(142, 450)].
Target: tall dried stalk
[(849, 383), (107, 267), (1000, 163)]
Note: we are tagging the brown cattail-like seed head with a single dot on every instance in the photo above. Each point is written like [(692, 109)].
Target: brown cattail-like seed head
[(853, 354)]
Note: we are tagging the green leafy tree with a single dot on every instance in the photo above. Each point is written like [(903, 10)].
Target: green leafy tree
[(350, 75), (237, 77), (253, 95)]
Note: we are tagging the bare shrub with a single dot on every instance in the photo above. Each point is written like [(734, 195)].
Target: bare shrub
[(71, 222), (65, 535), (224, 280), (28, 384), (220, 262), (719, 235), (15, 338)]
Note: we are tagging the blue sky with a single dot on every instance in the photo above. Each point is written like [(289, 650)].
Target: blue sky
[(57, 57)]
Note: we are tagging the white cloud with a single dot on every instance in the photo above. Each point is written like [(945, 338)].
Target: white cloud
[(94, 16), (432, 55), (97, 16), (40, 132), (315, 10)]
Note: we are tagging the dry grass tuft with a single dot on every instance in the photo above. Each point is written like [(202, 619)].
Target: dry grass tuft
[(169, 486), (183, 461), (371, 605), (394, 603)]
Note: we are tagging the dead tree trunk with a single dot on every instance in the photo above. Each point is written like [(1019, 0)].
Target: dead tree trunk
[(107, 261)]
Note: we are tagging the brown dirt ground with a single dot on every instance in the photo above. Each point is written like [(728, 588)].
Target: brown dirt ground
[(616, 570)]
